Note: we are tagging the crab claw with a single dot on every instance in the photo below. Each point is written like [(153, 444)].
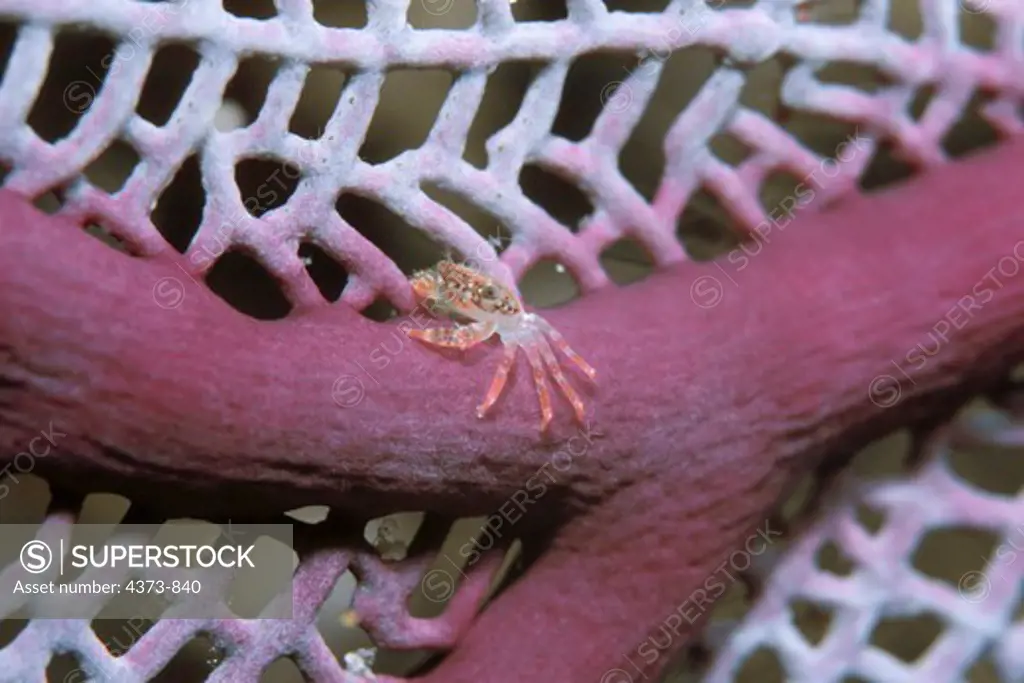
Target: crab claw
[(424, 284)]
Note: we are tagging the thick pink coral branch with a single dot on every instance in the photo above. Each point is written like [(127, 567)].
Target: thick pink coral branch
[(890, 310), (886, 310)]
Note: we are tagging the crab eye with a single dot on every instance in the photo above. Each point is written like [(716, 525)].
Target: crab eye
[(488, 291)]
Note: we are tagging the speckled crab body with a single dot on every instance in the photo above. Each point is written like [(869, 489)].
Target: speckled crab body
[(459, 291)]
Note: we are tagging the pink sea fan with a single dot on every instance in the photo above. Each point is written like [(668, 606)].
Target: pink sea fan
[(788, 321)]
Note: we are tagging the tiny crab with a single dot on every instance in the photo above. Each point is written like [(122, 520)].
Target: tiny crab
[(459, 291)]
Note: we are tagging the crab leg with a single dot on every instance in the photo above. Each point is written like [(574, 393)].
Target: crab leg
[(556, 372), (458, 337), (498, 383), (563, 346), (543, 394)]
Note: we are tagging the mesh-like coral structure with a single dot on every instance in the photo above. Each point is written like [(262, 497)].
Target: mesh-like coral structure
[(977, 632), (741, 38), (245, 647), (330, 165)]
